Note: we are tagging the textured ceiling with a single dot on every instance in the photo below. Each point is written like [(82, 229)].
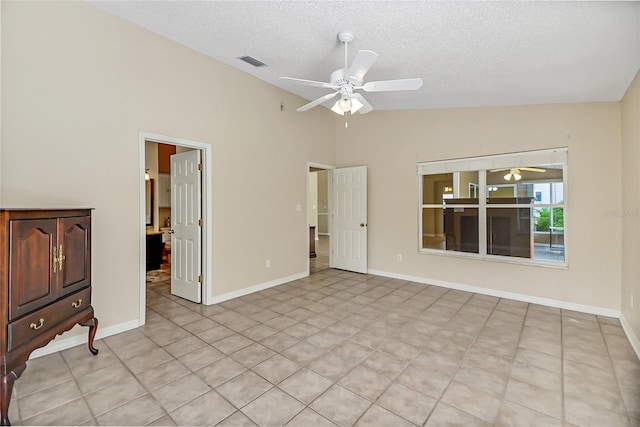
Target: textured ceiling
[(467, 53)]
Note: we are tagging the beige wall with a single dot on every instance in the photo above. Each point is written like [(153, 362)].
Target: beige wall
[(630, 215), (79, 84), (392, 143)]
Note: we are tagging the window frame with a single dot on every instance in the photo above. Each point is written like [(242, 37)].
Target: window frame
[(482, 164)]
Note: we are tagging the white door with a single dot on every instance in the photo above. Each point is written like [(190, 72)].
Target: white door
[(186, 215), (349, 236)]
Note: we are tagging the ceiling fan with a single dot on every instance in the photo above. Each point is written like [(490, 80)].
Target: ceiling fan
[(516, 173), (347, 80)]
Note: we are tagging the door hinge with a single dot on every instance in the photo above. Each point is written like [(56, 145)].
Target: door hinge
[(199, 166), (200, 222), (200, 278)]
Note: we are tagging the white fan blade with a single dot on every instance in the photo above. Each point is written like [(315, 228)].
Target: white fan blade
[(361, 64), (309, 82), (317, 102), (533, 169), (388, 85), (366, 107)]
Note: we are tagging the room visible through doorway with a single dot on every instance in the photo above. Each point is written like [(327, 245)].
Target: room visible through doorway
[(159, 156), (319, 217)]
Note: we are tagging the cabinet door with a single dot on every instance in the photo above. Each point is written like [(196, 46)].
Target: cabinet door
[(74, 237), (32, 278)]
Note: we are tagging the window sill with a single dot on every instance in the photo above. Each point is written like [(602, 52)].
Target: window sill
[(497, 258)]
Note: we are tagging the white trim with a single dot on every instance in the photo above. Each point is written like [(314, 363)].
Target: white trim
[(329, 209), (496, 258), (256, 288), (600, 311), (633, 338), (65, 343), (207, 209), (495, 161)]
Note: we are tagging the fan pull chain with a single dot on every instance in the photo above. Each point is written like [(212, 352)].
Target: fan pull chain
[(346, 125)]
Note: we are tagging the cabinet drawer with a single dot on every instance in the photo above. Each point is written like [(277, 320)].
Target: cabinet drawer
[(32, 325)]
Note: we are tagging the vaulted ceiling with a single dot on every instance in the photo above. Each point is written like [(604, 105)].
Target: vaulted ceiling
[(467, 53)]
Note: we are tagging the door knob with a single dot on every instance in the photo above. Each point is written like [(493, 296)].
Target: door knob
[(362, 224)]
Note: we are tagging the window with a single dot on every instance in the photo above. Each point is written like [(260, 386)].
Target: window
[(509, 207)]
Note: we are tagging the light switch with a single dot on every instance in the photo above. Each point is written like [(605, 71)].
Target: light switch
[(298, 208)]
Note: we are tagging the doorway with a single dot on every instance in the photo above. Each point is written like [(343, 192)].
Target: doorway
[(319, 216), (161, 220)]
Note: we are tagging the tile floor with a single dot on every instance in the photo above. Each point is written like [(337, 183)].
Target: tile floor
[(340, 348)]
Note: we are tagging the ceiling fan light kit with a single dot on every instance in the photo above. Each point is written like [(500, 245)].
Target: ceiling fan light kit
[(345, 81), (516, 173)]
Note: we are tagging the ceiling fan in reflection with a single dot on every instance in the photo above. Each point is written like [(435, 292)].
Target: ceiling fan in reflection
[(516, 173)]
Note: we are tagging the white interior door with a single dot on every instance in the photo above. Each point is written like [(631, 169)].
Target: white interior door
[(349, 236), (186, 215)]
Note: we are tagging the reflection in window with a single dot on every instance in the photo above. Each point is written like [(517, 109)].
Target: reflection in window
[(450, 212), (521, 205)]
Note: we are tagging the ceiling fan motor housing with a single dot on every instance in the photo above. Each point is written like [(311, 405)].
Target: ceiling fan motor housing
[(345, 87)]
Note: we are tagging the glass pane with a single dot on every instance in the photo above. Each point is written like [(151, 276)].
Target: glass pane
[(468, 185), (433, 236), (548, 192), (509, 232), (549, 234), (445, 186), (525, 184), (461, 229)]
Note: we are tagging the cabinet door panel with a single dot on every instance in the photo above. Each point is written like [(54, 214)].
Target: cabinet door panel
[(74, 236), (31, 276)]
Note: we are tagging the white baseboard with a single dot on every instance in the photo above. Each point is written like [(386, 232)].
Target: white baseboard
[(633, 338), (600, 311), (61, 343), (65, 343), (256, 288)]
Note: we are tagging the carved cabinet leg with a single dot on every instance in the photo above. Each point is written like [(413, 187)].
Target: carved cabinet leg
[(6, 388), (93, 328)]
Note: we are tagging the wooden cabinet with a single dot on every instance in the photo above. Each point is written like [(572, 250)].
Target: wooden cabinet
[(45, 289), (164, 190)]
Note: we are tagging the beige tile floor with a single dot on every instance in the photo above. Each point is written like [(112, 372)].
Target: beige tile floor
[(340, 348)]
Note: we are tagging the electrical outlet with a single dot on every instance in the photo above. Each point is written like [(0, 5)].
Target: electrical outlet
[(268, 263), (399, 257)]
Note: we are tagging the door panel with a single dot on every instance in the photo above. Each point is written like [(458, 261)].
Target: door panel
[(350, 219), (186, 240), (73, 236), (31, 275)]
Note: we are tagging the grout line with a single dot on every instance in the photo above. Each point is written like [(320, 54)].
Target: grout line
[(613, 369)]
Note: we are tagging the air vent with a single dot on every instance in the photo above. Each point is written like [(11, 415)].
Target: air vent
[(252, 61)]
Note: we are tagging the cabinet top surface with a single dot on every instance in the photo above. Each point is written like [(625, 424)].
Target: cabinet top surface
[(43, 209), (18, 213)]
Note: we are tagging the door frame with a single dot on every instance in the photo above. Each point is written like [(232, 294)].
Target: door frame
[(207, 207), (311, 165)]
